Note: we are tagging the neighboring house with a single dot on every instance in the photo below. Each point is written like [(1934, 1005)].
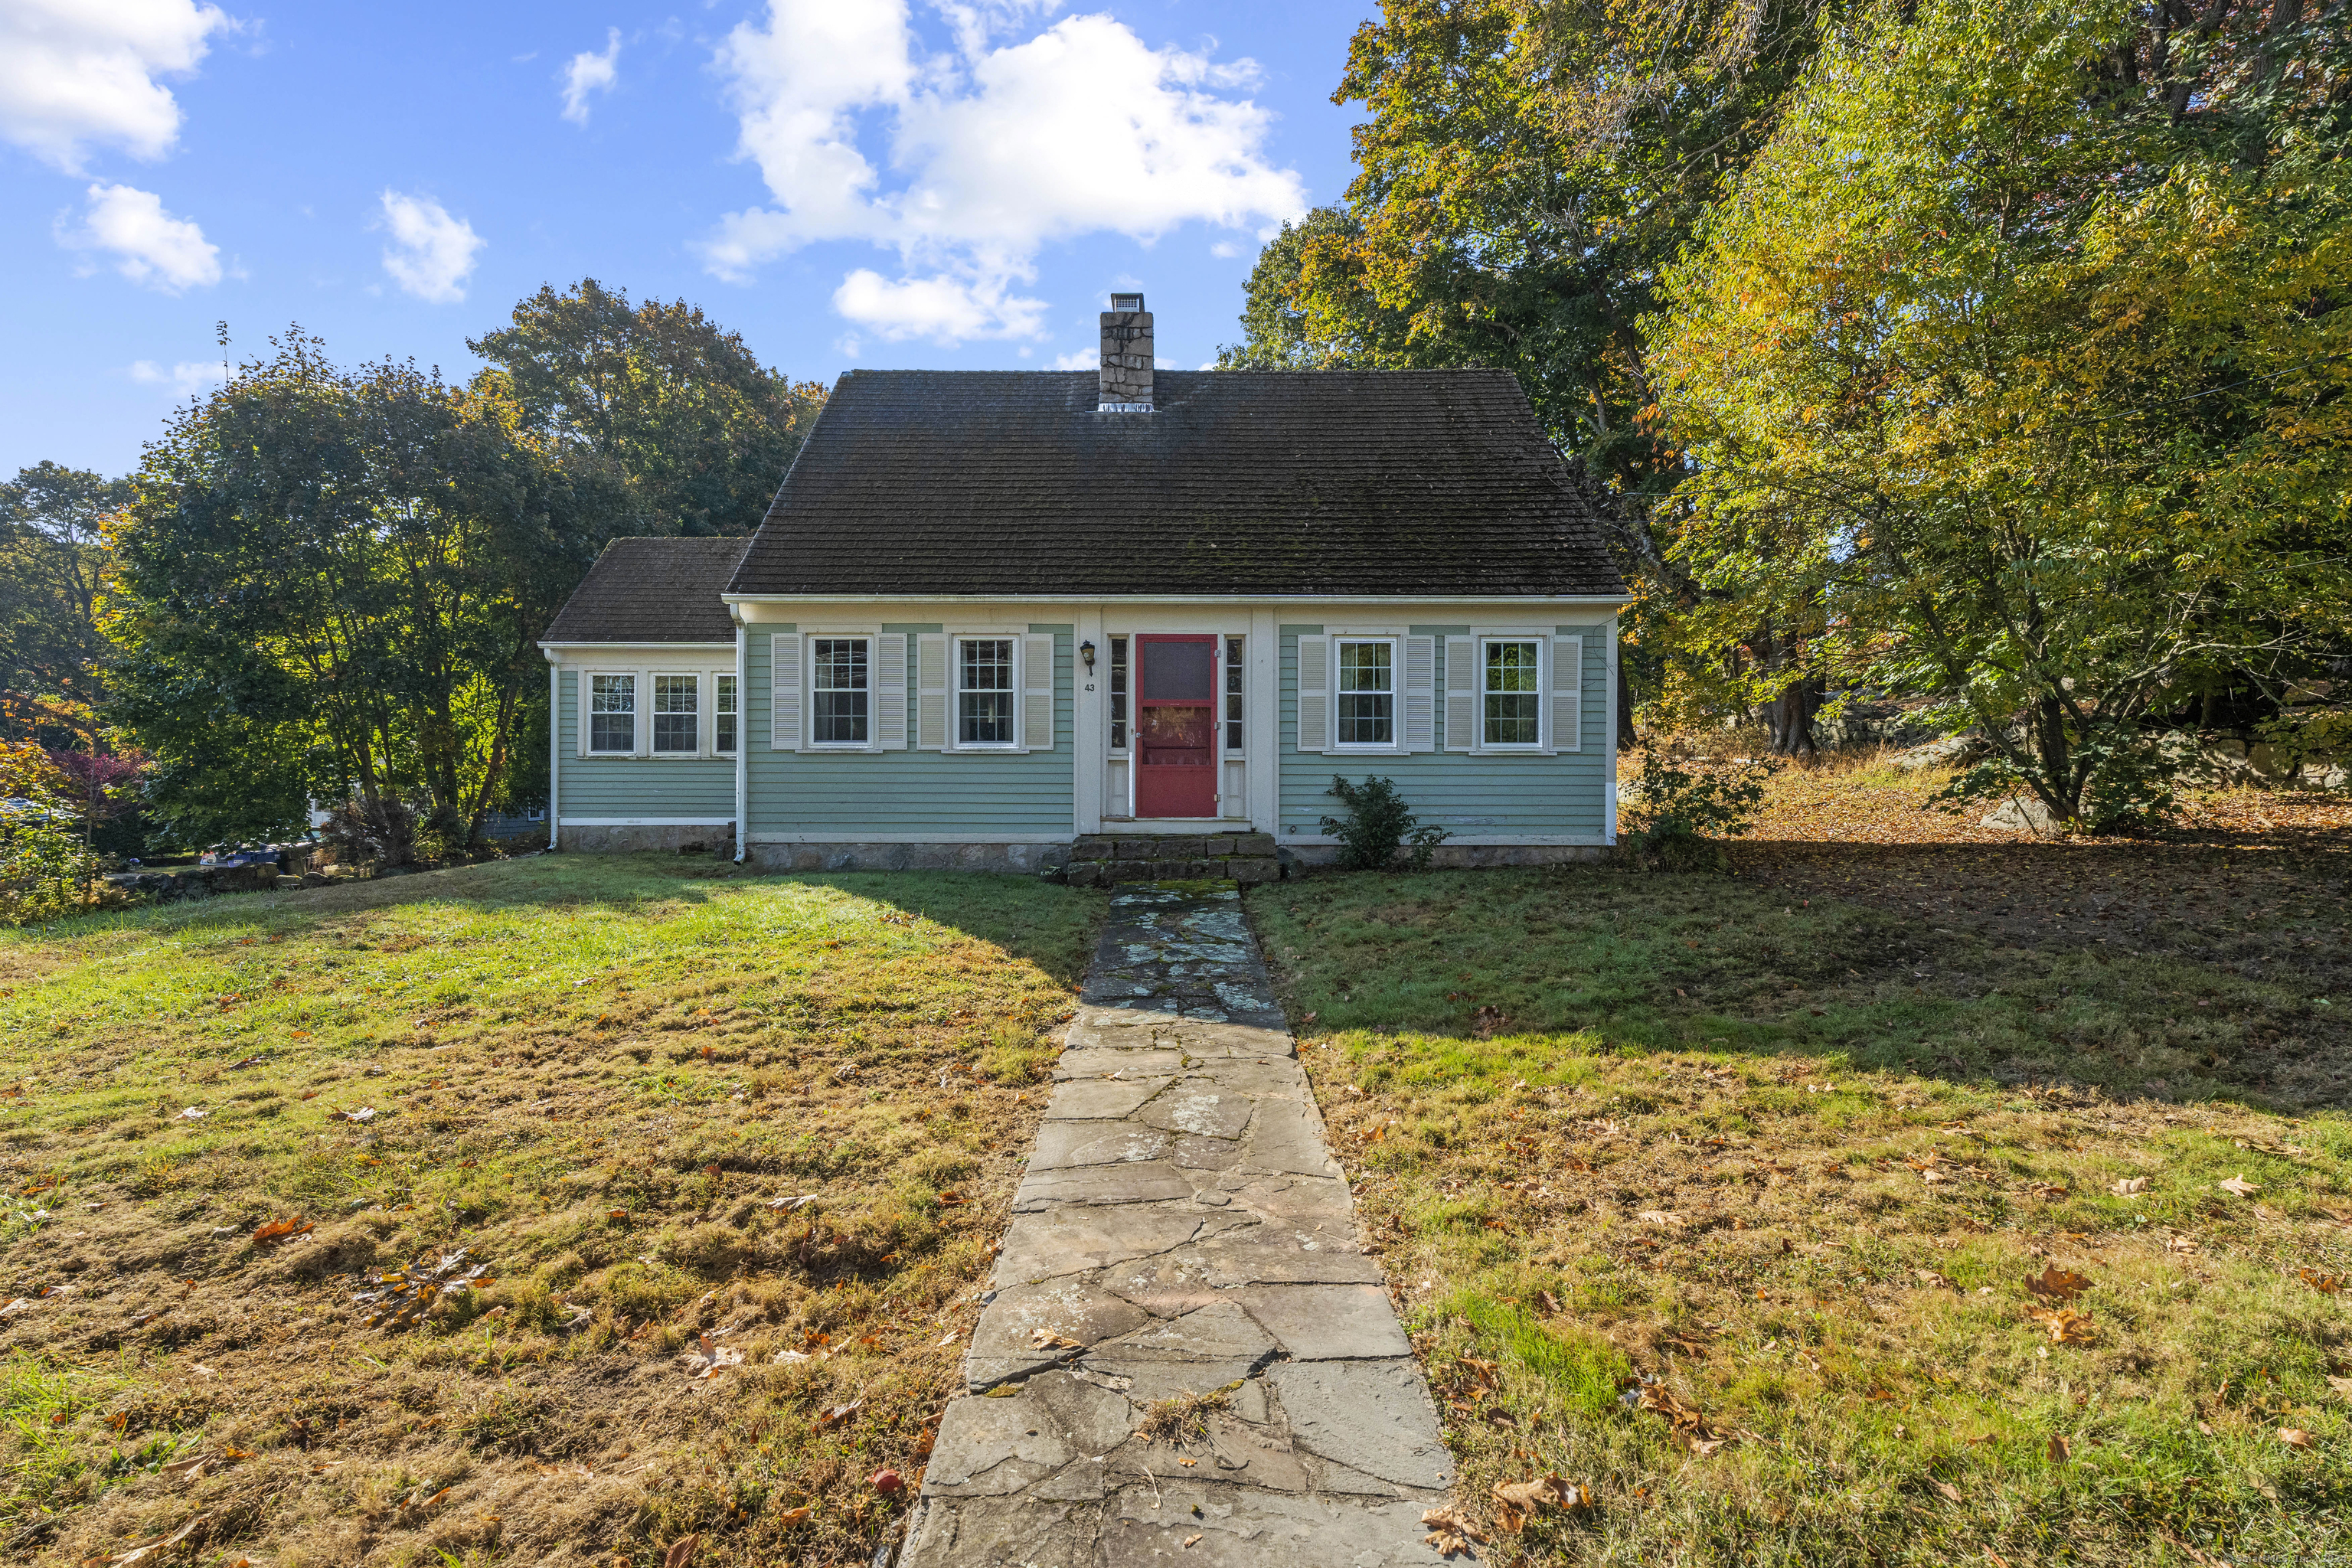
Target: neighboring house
[(991, 613)]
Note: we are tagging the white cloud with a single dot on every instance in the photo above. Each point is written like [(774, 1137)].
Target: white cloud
[(1081, 359), (1225, 251), (79, 73), (995, 149), (151, 246), (431, 253), (186, 379), (590, 73)]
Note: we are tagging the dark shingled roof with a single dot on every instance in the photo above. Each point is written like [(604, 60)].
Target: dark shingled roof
[(1424, 483), (653, 590)]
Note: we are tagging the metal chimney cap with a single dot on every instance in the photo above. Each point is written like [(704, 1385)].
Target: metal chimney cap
[(1126, 301)]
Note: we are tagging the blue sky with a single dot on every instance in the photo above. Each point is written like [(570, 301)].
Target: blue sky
[(844, 182)]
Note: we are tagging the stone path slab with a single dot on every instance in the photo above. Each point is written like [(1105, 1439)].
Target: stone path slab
[(1183, 1230)]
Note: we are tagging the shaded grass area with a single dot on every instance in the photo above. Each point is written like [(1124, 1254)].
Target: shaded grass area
[(762, 1127), (1723, 1199)]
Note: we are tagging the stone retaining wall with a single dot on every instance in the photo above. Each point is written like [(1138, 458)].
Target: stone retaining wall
[(719, 838)]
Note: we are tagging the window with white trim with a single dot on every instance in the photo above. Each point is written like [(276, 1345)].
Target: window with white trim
[(1511, 691), (677, 715), (1233, 697), (841, 697), (613, 715), (983, 691), (1364, 695), (725, 709), (1119, 694)]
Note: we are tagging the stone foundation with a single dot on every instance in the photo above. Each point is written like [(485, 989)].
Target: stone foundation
[(1100, 860), (1459, 857), (1023, 858), (718, 839)]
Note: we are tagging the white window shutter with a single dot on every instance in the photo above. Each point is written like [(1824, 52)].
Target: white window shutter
[(784, 726), (1314, 693), (931, 691), (889, 726), (1461, 693), (1037, 693), (1419, 694), (1567, 694)]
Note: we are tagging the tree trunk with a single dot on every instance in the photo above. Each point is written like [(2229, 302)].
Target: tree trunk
[(1789, 718), (1626, 739)]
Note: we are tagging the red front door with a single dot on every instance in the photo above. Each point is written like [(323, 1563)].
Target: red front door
[(1176, 727)]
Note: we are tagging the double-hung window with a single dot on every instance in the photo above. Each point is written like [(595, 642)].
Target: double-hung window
[(1511, 691), (677, 715), (983, 691), (1365, 700), (841, 695), (725, 715), (613, 714)]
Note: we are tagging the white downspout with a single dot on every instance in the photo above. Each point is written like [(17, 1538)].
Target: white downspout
[(742, 742), (554, 744), (1612, 728)]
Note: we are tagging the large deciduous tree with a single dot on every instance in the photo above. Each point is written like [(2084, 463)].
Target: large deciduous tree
[(671, 405), (1528, 169), (2017, 375), (331, 586)]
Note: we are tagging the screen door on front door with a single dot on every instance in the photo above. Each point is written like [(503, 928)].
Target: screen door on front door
[(1176, 727)]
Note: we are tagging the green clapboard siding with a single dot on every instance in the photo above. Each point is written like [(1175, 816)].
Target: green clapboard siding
[(951, 797), (1470, 797), (701, 789)]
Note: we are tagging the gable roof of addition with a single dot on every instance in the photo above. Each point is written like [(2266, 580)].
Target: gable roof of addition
[(653, 590), (1420, 483)]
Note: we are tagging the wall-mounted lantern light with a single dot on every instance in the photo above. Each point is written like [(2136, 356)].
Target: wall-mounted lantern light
[(1086, 652)]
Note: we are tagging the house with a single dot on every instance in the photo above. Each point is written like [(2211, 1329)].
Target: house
[(992, 615)]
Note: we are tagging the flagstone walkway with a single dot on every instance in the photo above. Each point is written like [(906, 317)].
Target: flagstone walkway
[(1183, 1231)]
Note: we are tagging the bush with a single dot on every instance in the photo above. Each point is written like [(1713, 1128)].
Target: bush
[(1685, 807), (1377, 826)]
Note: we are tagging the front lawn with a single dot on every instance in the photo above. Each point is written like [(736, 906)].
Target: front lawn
[(1724, 1198), (729, 1152)]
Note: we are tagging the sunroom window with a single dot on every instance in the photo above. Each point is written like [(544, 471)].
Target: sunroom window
[(1367, 694), (677, 709)]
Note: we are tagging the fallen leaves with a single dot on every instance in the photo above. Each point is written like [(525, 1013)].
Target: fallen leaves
[(887, 1482), (1047, 1339), (146, 1550), (2066, 1328), (2294, 1437), (2056, 1284), (2239, 1185), (1689, 1427), (2129, 1186), (281, 1229), (2326, 1284), (842, 1414), (1451, 1533), (401, 1296), (1517, 1502), (710, 1358), (681, 1551)]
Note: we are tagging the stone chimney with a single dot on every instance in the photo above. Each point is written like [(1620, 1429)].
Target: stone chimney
[(1126, 356)]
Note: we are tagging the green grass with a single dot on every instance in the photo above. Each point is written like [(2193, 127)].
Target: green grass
[(596, 1075), (1610, 1127)]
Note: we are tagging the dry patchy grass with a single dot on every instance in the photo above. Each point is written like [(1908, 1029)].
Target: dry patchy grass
[(612, 1082), (1725, 1202)]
